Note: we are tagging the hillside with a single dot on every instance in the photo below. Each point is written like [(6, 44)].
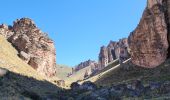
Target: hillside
[(22, 81), (10, 61), (124, 82), (77, 76), (110, 68), (63, 71), (115, 73), (19, 87), (129, 72)]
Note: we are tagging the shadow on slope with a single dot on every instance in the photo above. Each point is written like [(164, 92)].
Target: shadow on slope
[(17, 87), (109, 66), (77, 76), (129, 72)]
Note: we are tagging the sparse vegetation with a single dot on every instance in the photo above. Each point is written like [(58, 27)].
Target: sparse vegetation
[(63, 71), (119, 75), (77, 76), (14, 86), (11, 61)]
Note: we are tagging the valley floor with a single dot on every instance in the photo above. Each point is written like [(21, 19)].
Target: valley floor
[(127, 82)]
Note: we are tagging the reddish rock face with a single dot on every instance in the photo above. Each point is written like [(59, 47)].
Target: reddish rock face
[(111, 51), (34, 47), (148, 43), (6, 31), (166, 4), (115, 50), (103, 57)]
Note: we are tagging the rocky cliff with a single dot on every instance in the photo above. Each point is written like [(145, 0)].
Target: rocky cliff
[(33, 46), (114, 50), (149, 41)]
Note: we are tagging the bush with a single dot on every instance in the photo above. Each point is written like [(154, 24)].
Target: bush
[(75, 85)]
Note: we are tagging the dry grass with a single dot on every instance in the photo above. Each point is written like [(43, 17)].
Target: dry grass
[(121, 75), (77, 76), (109, 68), (62, 71), (10, 61), (22, 77), (116, 74)]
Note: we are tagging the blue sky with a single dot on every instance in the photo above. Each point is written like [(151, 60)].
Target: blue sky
[(78, 27)]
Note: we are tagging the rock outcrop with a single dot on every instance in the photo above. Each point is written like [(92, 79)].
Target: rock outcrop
[(33, 46), (115, 50), (149, 41), (6, 31), (103, 57), (87, 63)]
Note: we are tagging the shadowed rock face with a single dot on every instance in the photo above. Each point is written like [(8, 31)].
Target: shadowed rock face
[(148, 42), (166, 4), (33, 46)]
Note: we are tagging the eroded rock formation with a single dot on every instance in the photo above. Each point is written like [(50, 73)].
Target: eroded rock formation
[(114, 50), (148, 42), (87, 63), (33, 46), (103, 57)]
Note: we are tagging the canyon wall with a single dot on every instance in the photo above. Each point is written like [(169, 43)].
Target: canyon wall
[(149, 41)]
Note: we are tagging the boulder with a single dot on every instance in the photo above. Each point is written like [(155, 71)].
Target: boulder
[(148, 42), (35, 62), (104, 93), (118, 90), (75, 86), (3, 72), (24, 56), (88, 86), (60, 83)]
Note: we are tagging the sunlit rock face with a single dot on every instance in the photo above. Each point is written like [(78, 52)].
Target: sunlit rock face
[(149, 41), (6, 31), (114, 50), (103, 57), (33, 46)]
